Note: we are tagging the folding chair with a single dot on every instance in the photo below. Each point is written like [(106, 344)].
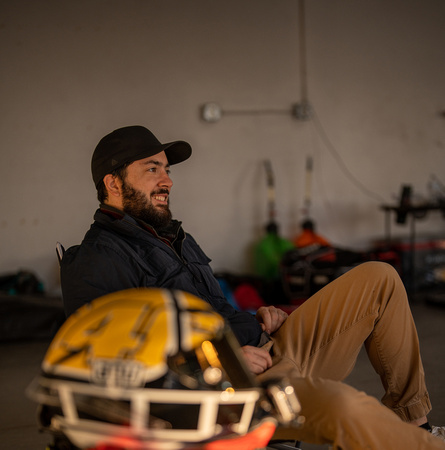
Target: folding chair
[(60, 250)]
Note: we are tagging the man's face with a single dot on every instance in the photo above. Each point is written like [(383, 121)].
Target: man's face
[(146, 188)]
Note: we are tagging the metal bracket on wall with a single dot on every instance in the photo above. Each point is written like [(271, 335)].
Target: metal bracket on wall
[(213, 112)]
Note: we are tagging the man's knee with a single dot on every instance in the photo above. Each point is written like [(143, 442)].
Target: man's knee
[(340, 400), (378, 267), (376, 270), (333, 402), (329, 407)]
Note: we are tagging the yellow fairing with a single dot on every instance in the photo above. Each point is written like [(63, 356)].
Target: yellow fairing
[(124, 338)]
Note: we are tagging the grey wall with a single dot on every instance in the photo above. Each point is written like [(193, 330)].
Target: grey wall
[(72, 71)]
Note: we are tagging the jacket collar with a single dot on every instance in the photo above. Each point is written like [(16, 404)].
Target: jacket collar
[(171, 235)]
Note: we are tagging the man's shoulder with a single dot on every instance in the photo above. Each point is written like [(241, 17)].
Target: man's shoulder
[(111, 239), (91, 250)]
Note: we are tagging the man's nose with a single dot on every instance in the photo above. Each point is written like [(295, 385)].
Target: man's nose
[(166, 180)]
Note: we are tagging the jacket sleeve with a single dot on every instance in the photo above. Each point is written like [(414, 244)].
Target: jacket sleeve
[(245, 327), (244, 324)]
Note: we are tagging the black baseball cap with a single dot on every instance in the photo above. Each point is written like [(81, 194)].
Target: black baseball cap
[(129, 144)]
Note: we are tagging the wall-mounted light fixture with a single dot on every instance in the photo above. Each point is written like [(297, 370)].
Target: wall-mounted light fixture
[(211, 112)]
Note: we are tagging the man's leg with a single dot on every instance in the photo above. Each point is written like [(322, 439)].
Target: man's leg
[(367, 305), (348, 419)]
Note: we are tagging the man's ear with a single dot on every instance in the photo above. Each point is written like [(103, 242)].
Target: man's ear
[(113, 185)]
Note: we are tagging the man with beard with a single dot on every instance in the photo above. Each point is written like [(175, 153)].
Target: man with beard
[(134, 242)]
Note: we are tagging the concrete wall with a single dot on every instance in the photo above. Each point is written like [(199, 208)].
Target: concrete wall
[(72, 71)]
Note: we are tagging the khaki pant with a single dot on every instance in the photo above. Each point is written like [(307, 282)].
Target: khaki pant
[(318, 345)]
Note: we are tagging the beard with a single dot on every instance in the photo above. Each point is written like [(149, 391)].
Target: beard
[(138, 205)]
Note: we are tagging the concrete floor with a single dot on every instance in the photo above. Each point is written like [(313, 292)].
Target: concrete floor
[(20, 361)]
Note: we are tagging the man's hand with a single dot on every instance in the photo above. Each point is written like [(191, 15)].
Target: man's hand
[(270, 318), (258, 359)]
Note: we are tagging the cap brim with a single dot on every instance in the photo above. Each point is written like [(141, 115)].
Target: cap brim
[(177, 151)]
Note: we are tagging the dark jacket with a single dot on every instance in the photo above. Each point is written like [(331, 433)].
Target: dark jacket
[(119, 253)]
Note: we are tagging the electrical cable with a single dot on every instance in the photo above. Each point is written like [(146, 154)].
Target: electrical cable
[(341, 164), (304, 101), (303, 62)]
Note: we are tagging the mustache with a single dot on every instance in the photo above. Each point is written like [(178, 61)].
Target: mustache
[(161, 191)]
